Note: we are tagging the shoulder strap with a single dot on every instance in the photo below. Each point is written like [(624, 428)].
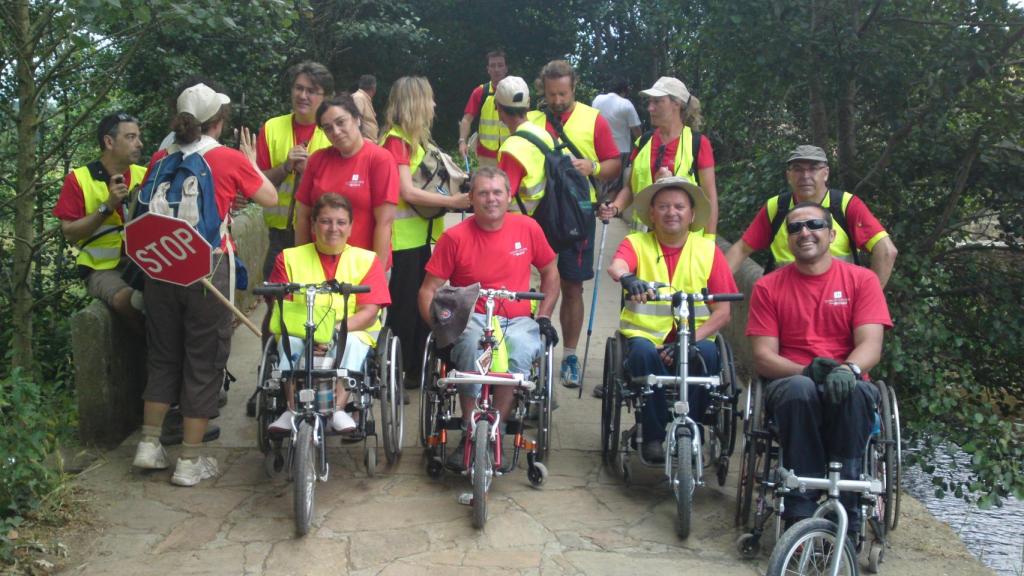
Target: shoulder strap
[(536, 141), (695, 147), (781, 209), (644, 139), (835, 207), (568, 143)]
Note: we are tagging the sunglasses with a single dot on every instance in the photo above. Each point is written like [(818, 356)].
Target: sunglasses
[(813, 224)]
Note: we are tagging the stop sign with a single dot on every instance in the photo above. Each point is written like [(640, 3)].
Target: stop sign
[(167, 249)]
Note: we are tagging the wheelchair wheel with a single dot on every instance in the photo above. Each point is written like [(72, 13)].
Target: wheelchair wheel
[(808, 548), (429, 372), (392, 410), (266, 409), (544, 396), (889, 456), (753, 450), (725, 423), (683, 482), (482, 470), (894, 406), (304, 472)]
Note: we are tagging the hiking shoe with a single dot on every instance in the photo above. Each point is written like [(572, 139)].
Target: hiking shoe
[(571, 371), (150, 456), (342, 421), (455, 457), (191, 472), (283, 423)]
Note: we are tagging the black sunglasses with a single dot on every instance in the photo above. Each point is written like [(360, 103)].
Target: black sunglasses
[(812, 224)]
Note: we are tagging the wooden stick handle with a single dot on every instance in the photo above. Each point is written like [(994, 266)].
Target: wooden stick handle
[(245, 320)]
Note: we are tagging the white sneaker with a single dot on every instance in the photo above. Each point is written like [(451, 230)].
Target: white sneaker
[(150, 456), (341, 421), (283, 422), (191, 472)]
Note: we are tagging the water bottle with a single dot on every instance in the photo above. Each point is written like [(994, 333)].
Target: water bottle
[(325, 397)]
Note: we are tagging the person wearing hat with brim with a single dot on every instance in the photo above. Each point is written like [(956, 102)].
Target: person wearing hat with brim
[(673, 148), (857, 228), (188, 330), (674, 252), (494, 249)]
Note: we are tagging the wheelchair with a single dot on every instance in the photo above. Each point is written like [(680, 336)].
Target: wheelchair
[(303, 450), (763, 480), (440, 415), (684, 462)]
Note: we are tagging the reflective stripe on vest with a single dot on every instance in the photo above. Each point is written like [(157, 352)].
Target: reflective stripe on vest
[(104, 252), (654, 320), (492, 131), (840, 247), (302, 264), (531, 188), (280, 139), (409, 229), (579, 129), (641, 177)]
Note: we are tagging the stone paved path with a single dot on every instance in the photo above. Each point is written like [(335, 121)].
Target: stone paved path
[(401, 522)]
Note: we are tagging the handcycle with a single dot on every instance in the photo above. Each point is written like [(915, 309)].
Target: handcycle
[(316, 379), (483, 456), (684, 462), (764, 480)]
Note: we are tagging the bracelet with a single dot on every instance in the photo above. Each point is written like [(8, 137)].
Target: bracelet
[(597, 167), (462, 140)]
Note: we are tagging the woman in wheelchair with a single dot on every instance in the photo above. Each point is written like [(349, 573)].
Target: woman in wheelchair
[(675, 252), (329, 256)]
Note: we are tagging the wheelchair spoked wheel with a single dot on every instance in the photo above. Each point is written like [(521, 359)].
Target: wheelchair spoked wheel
[(609, 382), (890, 456), (482, 469), (544, 410), (428, 410), (750, 457), (304, 472), (808, 548), (265, 415), (725, 416), (392, 410), (683, 484)]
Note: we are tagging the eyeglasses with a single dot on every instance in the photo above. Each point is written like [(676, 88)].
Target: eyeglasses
[(122, 117), (311, 91), (804, 169), (814, 224)]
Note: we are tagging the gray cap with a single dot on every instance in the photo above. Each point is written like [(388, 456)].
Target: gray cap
[(450, 310), (807, 152)]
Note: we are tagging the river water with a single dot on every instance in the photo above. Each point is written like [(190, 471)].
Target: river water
[(996, 536)]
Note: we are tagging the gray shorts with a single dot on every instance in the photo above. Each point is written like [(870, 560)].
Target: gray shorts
[(522, 339), (103, 285)]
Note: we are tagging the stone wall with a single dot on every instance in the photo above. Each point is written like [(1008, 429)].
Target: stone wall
[(110, 360)]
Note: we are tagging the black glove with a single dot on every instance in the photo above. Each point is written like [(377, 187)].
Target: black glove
[(839, 383), (633, 285), (819, 368), (547, 330)]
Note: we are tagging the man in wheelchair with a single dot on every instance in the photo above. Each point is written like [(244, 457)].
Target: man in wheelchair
[(816, 328), (671, 208), (329, 256), (495, 249)]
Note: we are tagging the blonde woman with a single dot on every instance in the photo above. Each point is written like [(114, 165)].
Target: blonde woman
[(407, 121)]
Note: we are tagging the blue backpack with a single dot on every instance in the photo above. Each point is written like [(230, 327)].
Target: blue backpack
[(182, 186)]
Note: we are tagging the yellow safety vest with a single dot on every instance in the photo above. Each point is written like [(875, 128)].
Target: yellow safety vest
[(302, 264), (104, 252), (579, 130), (654, 320), (492, 131), (840, 247), (642, 177), (409, 229), (280, 139), (531, 188)]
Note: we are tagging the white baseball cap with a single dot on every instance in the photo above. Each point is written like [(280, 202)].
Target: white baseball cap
[(668, 86), (201, 101), (512, 92)]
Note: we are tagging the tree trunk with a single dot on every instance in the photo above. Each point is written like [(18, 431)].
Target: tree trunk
[(816, 104), (845, 118), (25, 188)]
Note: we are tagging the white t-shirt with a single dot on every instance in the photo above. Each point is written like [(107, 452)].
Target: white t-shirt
[(621, 116)]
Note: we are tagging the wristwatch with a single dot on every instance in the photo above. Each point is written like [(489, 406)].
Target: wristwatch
[(854, 368), (104, 209)]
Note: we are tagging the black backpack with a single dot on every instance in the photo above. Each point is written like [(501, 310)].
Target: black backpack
[(563, 211), (835, 208)]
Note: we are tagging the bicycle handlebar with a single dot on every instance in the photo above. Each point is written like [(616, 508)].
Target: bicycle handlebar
[(279, 289), (509, 294), (703, 296)]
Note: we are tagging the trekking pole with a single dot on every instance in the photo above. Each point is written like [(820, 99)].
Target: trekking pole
[(593, 304)]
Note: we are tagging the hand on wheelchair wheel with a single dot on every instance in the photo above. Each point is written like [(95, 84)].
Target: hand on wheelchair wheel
[(839, 384), (819, 369), (547, 330)]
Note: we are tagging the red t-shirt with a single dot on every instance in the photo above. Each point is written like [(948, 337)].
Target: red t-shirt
[(604, 141), (705, 159), (399, 149), (473, 106), (301, 134), (374, 278), (232, 174), (719, 282), (862, 223), (466, 253), (816, 315), (71, 202), (368, 179)]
